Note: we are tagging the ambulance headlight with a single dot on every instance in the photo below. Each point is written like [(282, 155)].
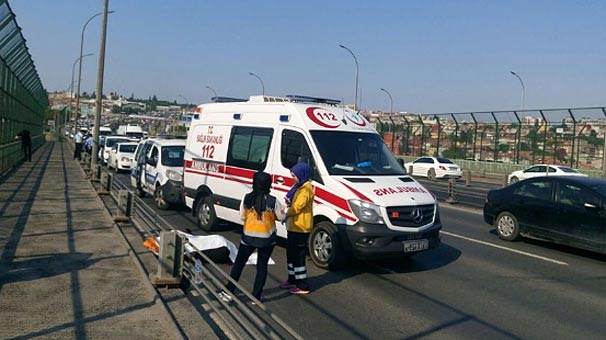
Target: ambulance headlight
[(366, 212), (173, 175)]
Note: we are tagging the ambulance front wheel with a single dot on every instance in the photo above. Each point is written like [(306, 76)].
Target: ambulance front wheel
[(324, 246), (207, 218)]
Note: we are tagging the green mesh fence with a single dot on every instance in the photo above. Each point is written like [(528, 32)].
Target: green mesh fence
[(23, 99)]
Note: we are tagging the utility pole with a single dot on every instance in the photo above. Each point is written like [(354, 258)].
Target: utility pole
[(99, 99)]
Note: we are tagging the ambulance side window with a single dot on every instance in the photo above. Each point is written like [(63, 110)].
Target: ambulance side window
[(249, 147), (294, 149)]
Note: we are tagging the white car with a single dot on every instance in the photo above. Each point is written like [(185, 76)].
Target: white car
[(434, 167), (157, 169), (121, 156), (542, 170), (108, 144)]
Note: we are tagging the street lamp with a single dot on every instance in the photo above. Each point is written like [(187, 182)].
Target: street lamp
[(390, 100), (523, 88), (210, 88), (261, 80), (357, 72), (80, 66), (71, 86), (393, 136)]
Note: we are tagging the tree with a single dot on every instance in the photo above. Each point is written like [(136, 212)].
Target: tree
[(115, 109)]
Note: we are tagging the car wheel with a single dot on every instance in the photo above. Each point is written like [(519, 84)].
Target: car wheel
[(207, 217), (514, 179), (431, 174), (159, 199), (324, 246), (507, 226)]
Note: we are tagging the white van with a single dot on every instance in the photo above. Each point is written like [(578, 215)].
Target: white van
[(157, 169), (365, 205)]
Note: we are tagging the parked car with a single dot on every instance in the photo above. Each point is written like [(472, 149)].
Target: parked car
[(434, 167), (542, 170), (108, 144), (158, 170), (569, 210), (121, 156)]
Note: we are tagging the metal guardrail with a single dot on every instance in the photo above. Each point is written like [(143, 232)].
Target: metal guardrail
[(243, 320)]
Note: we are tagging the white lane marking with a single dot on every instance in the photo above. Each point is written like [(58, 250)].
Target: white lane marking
[(505, 248)]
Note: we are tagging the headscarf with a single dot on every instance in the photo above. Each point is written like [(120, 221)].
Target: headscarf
[(303, 173), (256, 198)]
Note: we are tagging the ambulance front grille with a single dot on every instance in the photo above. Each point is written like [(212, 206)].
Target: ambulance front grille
[(409, 216)]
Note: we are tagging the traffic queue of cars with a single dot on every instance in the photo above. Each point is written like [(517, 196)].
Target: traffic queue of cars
[(365, 206)]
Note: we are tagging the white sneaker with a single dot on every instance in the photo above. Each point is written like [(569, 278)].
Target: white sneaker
[(225, 297)]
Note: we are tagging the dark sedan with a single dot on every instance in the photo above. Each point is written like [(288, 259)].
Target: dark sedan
[(567, 210)]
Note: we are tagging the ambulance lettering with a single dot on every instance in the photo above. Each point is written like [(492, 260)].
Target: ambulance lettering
[(323, 117), (204, 166), (397, 190), (208, 141)]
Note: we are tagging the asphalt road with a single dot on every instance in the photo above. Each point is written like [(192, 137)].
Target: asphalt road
[(473, 286)]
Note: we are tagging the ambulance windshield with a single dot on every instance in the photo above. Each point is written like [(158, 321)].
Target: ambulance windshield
[(355, 153)]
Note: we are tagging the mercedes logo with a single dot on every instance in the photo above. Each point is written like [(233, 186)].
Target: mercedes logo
[(417, 215)]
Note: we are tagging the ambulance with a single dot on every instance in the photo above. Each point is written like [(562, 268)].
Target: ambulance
[(365, 206)]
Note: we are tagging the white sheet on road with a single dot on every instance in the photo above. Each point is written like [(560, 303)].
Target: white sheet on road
[(206, 242)]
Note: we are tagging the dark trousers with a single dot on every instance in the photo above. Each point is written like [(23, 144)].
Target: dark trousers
[(244, 253), (296, 253), (27, 151), (78, 151)]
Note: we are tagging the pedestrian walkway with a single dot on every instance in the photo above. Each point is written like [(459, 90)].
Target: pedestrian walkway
[(64, 271)]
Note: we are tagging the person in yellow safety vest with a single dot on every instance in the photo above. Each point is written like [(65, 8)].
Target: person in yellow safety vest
[(299, 222), (259, 211)]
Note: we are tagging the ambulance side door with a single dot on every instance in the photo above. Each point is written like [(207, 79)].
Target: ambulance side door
[(151, 169), (293, 148)]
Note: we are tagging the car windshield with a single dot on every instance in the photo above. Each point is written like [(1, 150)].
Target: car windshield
[(173, 155), (127, 148), (355, 153), (105, 133), (444, 160), (138, 135), (111, 141)]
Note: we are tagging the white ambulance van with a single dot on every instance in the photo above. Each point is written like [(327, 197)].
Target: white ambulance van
[(365, 205)]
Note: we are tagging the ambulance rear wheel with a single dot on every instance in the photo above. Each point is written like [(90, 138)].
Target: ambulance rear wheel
[(207, 218), (325, 247)]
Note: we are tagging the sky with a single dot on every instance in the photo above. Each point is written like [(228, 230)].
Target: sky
[(431, 56)]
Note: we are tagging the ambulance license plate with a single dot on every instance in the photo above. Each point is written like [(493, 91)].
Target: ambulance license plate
[(415, 245)]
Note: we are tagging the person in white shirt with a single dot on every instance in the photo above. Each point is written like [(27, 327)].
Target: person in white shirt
[(78, 151)]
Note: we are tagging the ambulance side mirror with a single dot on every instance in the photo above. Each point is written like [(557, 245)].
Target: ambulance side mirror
[(401, 162)]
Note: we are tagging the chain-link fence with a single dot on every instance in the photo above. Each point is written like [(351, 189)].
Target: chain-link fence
[(571, 136), (23, 99)]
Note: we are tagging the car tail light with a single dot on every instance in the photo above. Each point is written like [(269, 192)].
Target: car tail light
[(442, 167)]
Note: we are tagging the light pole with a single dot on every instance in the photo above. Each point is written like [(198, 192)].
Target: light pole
[(214, 92), (357, 72), (261, 80), (393, 135), (523, 88), (71, 85), (80, 66)]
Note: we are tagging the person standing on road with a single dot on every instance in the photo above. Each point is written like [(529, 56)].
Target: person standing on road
[(259, 211), (78, 139), (26, 144), (299, 222)]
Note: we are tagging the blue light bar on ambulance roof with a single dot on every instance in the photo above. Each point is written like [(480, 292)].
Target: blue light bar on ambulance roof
[(226, 100), (237, 116), (308, 99), (284, 118)]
